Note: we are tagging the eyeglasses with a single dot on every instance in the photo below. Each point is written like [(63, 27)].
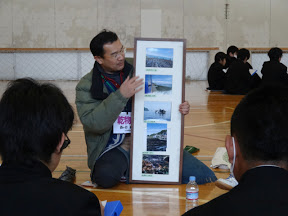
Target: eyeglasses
[(121, 52), (65, 143)]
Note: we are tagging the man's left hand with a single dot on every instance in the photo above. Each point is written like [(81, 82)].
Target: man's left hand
[(184, 108)]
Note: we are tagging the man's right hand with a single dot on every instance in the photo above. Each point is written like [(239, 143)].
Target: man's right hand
[(131, 86)]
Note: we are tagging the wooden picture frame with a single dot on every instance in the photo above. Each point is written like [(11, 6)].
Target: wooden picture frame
[(156, 153)]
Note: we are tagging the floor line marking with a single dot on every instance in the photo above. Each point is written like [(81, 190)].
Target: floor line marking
[(205, 125), (204, 137)]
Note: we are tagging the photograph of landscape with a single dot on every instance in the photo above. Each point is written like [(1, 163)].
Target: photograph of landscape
[(159, 57), (156, 137), (155, 164)]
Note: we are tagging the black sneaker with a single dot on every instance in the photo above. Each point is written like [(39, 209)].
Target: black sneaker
[(68, 175)]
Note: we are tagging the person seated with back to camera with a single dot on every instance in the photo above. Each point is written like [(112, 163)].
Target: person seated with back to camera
[(238, 78), (258, 152), (273, 71), (232, 52), (34, 122), (216, 75)]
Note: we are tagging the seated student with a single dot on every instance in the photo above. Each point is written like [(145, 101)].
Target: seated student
[(34, 121), (238, 78), (274, 72), (232, 52), (216, 75), (258, 151)]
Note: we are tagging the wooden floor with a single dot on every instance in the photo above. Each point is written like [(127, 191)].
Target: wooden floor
[(206, 126)]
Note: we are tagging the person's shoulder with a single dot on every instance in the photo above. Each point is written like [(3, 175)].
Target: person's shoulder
[(72, 189), (216, 66), (283, 66), (85, 81), (213, 207), (78, 198)]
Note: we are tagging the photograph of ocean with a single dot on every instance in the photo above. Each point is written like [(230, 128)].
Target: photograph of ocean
[(157, 110), (158, 84)]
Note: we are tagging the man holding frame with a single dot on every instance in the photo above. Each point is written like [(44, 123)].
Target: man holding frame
[(101, 96)]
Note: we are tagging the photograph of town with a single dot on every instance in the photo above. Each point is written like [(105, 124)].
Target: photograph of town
[(156, 137), (159, 57), (155, 164), (158, 84), (157, 111)]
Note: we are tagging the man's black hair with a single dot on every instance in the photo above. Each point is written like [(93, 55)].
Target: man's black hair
[(97, 43), (220, 56), (243, 53), (232, 49), (259, 123), (275, 53), (33, 117)]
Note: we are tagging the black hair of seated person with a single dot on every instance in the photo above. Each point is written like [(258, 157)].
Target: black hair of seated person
[(243, 53), (259, 124), (220, 56), (33, 117), (97, 43), (275, 53), (232, 49)]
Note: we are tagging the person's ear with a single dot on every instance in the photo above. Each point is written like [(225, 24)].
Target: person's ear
[(98, 59), (60, 144), (229, 148)]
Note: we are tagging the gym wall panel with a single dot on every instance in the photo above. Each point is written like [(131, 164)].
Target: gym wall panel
[(279, 18), (75, 23), (33, 24), (248, 23), (204, 22), (171, 16), (122, 17), (6, 23)]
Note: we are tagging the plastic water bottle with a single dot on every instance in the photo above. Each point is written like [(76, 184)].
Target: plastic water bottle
[(191, 193)]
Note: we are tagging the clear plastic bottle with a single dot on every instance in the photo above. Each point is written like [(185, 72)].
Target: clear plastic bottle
[(191, 193)]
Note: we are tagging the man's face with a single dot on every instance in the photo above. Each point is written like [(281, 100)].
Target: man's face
[(223, 61), (233, 54), (113, 58)]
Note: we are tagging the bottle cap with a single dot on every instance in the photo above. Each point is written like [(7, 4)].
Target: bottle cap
[(192, 178)]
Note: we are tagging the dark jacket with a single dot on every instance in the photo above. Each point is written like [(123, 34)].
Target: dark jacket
[(261, 191), (274, 73), (229, 61), (31, 190), (216, 76), (239, 80)]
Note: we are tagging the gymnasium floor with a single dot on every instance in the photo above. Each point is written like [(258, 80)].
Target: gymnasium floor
[(205, 127)]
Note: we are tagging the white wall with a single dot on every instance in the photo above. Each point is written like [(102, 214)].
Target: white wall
[(73, 23)]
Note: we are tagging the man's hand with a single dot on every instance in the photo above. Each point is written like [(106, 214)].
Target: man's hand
[(184, 108), (130, 85)]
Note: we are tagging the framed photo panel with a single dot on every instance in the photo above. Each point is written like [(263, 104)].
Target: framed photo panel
[(157, 125)]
